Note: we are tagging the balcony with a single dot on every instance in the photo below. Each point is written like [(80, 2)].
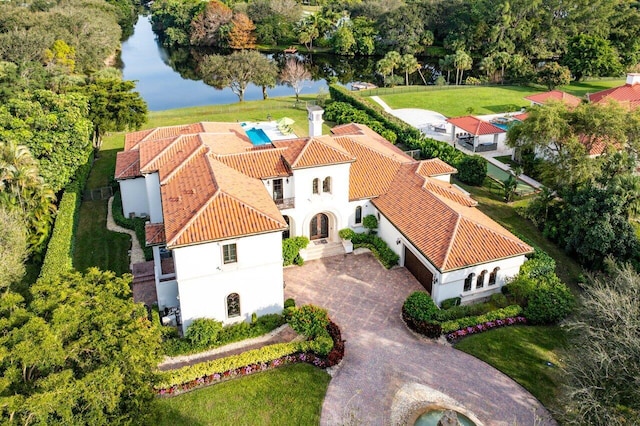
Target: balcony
[(285, 203)]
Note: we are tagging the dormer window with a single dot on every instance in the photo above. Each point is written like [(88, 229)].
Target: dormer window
[(326, 184), (316, 186)]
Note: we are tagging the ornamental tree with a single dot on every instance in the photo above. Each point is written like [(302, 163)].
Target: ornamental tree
[(295, 74)]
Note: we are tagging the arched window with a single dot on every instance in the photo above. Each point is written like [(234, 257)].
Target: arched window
[(358, 215), (326, 184), (316, 186), (233, 305), (493, 276), (480, 281), (468, 281)]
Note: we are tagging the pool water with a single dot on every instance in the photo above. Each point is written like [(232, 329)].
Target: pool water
[(504, 127), (257, 136), (431, 418)]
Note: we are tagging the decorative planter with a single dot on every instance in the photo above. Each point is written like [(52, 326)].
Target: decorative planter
[(347, 245)]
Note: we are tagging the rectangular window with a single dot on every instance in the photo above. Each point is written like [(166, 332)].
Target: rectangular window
[(316, 190), (229, 253), (278, 194)]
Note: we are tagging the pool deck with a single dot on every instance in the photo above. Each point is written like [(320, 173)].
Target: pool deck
[(270, 128)]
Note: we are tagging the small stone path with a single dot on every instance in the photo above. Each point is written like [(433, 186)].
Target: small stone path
[(136, 255)]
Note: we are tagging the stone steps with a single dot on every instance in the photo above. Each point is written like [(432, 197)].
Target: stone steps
[(317, 251)]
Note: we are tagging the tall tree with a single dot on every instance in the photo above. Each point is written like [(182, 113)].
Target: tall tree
[(591, 56), (501, 59), (81, 352), (309, 29), (13, 247), (241, 34), (462, 62), (114, 107), (210, 26), (408, 64), (602, 362), (295, 74), (267, 77), (235, 71), (553, 75)]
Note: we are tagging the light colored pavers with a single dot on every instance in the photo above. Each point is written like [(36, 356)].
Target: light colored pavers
[(137, 255), (382, 356)]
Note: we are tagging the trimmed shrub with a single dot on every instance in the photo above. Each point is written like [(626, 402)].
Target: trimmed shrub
[(203, 332), (549, 304), (472, 170), (450, 303), (308, 320), (291, 250), (370, 222), (289, 303), (498, 314), (346, 233), (136, 224), (499, 300), (59, 255), (420, 305), (378, 247), (322, 344)]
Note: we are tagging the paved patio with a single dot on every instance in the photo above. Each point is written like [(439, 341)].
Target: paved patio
[(365, 299)]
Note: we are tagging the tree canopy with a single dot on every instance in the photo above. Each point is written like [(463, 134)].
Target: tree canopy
[(81, 352)]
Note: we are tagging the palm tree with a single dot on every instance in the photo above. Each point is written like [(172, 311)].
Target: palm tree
[(22, 189), (446, 64), (488, 65), (462, 62), (408, 64), (501, 59)]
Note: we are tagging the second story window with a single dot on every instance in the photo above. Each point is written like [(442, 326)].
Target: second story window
[(358, 215), (326, 184), (316, 186), (229, 253)]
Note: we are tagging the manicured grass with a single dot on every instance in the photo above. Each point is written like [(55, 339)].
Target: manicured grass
[(506, 159), (522, 353), (287, 395), (490, 202), (97, 246), (455, 101)]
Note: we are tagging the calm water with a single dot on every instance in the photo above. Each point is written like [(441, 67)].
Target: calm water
[(146, 61)]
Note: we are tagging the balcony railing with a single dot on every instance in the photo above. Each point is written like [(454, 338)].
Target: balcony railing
[(285, 203)]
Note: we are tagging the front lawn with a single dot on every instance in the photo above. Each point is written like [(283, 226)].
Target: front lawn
[(287, 395), (522, 353)]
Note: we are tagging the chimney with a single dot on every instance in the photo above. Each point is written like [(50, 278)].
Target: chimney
[(315, 120), (633, 78)]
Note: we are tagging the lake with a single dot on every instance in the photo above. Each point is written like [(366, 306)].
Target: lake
[(147, 62)]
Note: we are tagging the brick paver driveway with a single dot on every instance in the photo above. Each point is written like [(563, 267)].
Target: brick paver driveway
[(365, 300)]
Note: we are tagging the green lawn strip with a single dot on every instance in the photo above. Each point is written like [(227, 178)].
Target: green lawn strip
[(522, 353), (506, 159), (490, 202), (288, 395), (97, 246), (456, 101)]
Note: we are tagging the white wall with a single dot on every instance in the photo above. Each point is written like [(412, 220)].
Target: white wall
[(452, 283), (134, 197), (152, 182), (444, 178), (204, 282)]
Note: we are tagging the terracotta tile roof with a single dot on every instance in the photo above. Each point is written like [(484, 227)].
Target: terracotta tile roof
[(165, 158), (314, 152), (446, 190), (374, 141), (347, 129), (628, 95), (127, 165), (154, 233), (260, 164), (522, 116), (475, 126), (450, 235), (597, 145), (161, 133), (554, 95), (435, 167)]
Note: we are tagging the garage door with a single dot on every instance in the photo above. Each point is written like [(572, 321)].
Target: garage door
[(422, 274)]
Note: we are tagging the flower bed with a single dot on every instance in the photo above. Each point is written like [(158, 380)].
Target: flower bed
[(479, 328), (268, 357)]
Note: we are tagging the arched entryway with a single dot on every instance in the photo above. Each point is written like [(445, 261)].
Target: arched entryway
[(319, 227)]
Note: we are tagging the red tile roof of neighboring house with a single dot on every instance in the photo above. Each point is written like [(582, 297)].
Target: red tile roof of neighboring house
[(554, 95), (628, 95), (522, 116), (453, 236), (475, 126), (435, 167), (597, 145)]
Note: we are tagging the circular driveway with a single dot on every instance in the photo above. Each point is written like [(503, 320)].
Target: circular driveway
[(381, 355)]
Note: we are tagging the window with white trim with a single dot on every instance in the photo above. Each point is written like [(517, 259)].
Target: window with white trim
[(229, 253)]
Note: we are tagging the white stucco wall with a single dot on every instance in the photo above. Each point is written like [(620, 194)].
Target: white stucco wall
[(444, 178), (204, 282), (152, 182), (134, 197), (452, 283)]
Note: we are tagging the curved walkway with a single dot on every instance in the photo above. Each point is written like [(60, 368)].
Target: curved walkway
[(136, 255), (364, 299)]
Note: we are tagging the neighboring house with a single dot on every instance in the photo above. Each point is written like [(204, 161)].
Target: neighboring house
[(219, 207), (627, 95), (554, 96)]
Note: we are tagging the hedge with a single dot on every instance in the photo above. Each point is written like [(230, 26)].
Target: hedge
[(378, 247), (136, 224), (59, 255), (267, 357), (498, 314)]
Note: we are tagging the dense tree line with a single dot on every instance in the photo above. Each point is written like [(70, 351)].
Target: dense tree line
[(505, 39)]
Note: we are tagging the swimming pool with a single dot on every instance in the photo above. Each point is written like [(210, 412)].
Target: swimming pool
[(257, 136), (504, 127)]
